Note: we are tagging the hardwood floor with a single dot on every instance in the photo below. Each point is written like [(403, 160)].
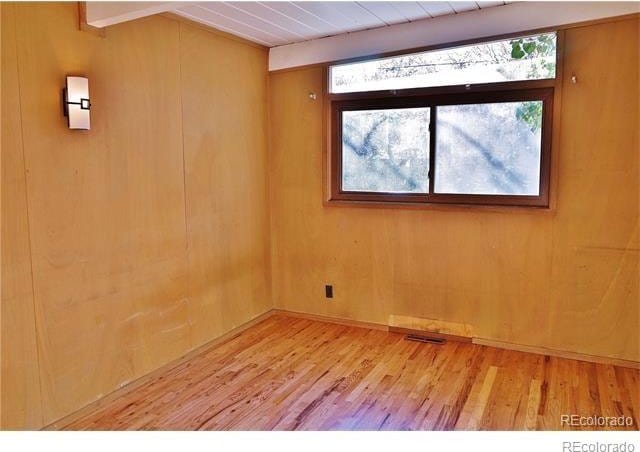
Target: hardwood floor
[(296, 374)]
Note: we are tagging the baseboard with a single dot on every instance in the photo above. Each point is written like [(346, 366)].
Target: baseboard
[(369, 325), (475, 340), (135, 384), (557, 353), (336, 320)]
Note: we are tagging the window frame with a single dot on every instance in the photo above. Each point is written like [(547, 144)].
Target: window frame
[(544, 90)]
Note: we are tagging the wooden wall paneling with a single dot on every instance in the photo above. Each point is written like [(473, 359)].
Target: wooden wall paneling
[(595, 293), (149, 234), (20, 402), (106, 205), (142, 100), (517, 276), (135, 386), (224, 94), (110, 223), (428, 264), (113, 296), (290, 104), (484, 269), (313, 246)]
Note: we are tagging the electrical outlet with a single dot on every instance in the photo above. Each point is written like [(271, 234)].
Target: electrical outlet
[(328, 291)]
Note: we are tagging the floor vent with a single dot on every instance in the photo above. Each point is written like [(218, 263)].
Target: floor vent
[(425, 339)]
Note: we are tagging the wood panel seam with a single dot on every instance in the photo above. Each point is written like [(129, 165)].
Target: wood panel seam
[(269, 188), (29, 234), (184, 183), (555, 158)]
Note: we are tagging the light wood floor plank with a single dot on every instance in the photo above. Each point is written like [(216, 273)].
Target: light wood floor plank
[(299, 374)]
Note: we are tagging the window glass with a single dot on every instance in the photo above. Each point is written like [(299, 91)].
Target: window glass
[(386, 150), (525, 58), (489, 149)]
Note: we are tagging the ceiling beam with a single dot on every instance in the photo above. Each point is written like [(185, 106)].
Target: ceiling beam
[(510, 18), (103, 14)]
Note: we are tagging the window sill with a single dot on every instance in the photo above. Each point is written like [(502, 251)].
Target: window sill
[(447, 207)]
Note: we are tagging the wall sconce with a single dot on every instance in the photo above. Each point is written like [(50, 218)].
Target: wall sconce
[(76, 104)]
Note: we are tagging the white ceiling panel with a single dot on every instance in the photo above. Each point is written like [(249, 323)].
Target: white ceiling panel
[(411, 10), (271, 14), (515, 17), (348, 16), (435, 9), (279, 23), (213, 19), (310, 32), (387, 12), (239, 15), (296, 13), (460, 7)]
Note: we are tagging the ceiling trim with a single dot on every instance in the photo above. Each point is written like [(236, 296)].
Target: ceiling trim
[(510, 18), (104, 14)]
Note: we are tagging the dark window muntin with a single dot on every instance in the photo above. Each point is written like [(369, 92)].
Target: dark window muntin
[(432, 98)]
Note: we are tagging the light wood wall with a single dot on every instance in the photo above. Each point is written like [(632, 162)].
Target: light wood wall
[(126, 246), (20, 379), (565, 279)]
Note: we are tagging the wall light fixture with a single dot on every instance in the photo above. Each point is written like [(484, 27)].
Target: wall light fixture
[(76, 104)]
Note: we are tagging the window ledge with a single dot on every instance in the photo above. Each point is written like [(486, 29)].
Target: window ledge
[(447, 207)]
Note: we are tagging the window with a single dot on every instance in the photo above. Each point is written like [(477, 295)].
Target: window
[(525, 58), (417, 138)]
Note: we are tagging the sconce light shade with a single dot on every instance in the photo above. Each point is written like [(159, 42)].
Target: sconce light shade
[(75, 98)]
